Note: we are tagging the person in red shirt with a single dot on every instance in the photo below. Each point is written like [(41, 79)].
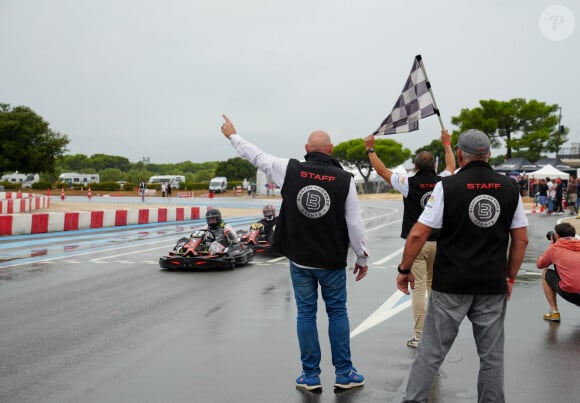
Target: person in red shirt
[(564, 278)]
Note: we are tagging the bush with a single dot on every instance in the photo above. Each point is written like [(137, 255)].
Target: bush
[(10, 186), (107, 186), (41, 185)]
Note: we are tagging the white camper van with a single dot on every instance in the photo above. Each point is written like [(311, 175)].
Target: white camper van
[(73, 178), (218, 184), (25, 180), (174, 180)]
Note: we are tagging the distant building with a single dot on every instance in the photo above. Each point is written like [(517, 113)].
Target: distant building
[(571, 155)]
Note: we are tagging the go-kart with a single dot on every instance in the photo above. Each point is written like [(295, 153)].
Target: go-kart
[(256, 240), (202, 251)]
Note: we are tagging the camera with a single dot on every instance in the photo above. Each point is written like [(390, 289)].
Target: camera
[(550, 235)]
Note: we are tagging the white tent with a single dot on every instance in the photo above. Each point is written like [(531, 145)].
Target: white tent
[(548, 171)]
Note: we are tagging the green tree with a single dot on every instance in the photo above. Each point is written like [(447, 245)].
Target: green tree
[(353, 152), (110, 175), (74, 163), (135, 175), (194, 167), (558, 139), (202, 175), (27, 144), (103, 161), (529, 127), (435, 148), (236, 169)]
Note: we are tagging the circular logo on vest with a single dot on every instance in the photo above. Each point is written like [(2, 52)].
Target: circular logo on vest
[(313, 201), (484, 211), (425, 199)]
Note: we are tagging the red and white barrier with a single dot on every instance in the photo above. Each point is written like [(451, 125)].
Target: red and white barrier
[(38, 223), (17, 202)]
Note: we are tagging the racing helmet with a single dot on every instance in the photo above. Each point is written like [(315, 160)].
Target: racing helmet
[(213, 217), (269, 212)]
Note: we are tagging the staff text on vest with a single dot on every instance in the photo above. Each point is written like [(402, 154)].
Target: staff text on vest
[(318, 177), (472, 186)]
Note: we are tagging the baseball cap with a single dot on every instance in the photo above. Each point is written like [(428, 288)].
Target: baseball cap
[(474, 142)]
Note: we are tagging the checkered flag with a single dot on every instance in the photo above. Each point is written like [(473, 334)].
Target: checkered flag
[(416, 102)]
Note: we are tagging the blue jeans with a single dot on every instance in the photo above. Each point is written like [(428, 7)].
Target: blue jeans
[(543, 200), (333, 289), (445, 312)]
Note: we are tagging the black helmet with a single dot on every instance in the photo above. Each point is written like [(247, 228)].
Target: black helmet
[(269, 212), (213, 217)]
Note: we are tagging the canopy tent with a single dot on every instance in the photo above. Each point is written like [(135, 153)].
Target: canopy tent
[(375, 184), (519, 164), (548, 171), (556, 163)]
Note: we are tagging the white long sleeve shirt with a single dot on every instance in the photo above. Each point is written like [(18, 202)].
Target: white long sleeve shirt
[(275, 167)]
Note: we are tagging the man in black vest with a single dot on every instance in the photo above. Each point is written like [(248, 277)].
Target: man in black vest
[(319, 218), (478, 211), (416, 190)]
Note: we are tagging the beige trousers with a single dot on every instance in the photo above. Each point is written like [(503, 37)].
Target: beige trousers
[(422, 270)]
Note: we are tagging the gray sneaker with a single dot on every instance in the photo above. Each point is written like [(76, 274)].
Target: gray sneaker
[(413, 342)]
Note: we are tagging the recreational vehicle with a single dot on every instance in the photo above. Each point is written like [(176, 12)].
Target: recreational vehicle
[(174, 180), (25, 180), (73, 178)]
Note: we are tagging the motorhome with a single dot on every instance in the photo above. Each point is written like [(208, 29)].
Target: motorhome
[(218, 184), (73, 178), (25, 180), (174, 180)]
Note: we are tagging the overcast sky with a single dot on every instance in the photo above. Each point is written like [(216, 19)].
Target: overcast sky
[(151, 78)]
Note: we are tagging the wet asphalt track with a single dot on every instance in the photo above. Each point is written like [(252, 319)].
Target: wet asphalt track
[(104, 324)]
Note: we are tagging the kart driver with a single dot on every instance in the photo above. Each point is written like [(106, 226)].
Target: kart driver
[(269, 221), (223, 233)]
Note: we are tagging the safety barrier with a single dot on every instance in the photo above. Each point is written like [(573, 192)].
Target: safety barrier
[(18, 202), (37, 223)]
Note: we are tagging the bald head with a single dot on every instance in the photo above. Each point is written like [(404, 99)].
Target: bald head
[(319, 141)]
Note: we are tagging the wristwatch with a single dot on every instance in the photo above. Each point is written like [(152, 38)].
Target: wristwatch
[(370, 150), (402, 271)]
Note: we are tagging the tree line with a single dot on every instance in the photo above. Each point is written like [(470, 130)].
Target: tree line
[(527, 129)]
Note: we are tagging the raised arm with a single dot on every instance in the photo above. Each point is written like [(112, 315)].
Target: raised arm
[(376, 162), (449, 157)]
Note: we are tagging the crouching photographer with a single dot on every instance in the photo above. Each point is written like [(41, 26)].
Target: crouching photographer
[(564, 278)]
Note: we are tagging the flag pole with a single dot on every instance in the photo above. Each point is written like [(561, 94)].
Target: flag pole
[(420, 60)]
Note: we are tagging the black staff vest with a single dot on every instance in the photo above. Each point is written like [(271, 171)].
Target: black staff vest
[(311, 229), (479, 205), (421, 186)]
